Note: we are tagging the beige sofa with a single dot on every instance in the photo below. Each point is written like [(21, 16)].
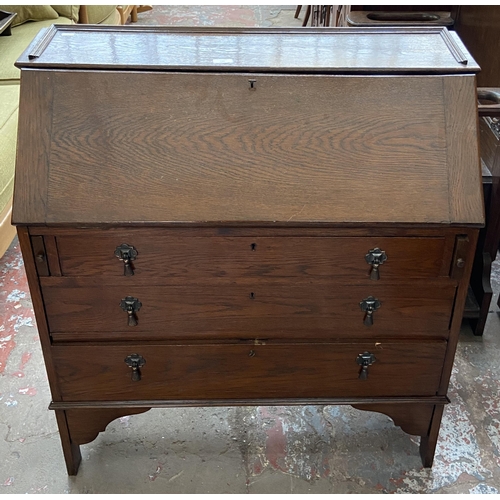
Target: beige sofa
[(28, 22)]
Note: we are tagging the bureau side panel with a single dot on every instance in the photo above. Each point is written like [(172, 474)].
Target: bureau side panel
[(33, 147), (464, 167)]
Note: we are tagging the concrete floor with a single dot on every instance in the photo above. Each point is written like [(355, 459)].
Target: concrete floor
[(311, 449)]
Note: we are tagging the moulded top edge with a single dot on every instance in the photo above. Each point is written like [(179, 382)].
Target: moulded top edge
[(386, 50)]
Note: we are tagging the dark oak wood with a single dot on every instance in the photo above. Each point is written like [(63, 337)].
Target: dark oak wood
[(86, 425), (478, 27), (197, 259), (40, 255), (428, 442), (38, 307), (259, 371), (426, 49), (184, 403), (257, 311), (52, 255), (481, 291), (33, 148), (71, 450), (248, 204), (305, 156), (413, 419)]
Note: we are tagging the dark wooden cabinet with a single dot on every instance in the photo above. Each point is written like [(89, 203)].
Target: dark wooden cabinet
[(231, 217)]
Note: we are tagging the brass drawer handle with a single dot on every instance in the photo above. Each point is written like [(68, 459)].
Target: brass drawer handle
[(365, 360), (369, 306), (375, 257), (126, 253), (136, 362), (131, 305)]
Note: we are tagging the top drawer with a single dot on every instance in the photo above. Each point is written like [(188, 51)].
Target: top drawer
[(162, 255)]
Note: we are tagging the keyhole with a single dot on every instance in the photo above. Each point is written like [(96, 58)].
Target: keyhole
[(253, 246), (252, 84), (252, 295)]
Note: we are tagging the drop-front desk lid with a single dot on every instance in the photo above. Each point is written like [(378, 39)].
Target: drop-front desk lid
[(274, 126)]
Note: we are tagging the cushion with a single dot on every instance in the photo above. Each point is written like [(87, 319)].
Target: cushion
[(30, 13), (11, 47), (70, 11), (9, 96), (9, 101), (113, 18), (98, 13)]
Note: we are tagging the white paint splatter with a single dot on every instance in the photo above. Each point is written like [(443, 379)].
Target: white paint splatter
[(16, 296), (457, 451), (482, 488), (21, 321)]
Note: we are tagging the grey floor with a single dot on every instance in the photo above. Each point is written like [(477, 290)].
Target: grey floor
[(309, 449)]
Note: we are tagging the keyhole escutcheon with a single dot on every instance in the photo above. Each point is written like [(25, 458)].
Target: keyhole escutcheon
[(252, 84)]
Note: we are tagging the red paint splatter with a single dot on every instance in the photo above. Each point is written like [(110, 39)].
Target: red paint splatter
[(12, 277), (6, 347), (24, 360), (27, 391), (156, 473), (257, 467), (275, 442)]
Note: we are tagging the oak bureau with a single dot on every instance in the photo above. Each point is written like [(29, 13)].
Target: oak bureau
[(247, 217)]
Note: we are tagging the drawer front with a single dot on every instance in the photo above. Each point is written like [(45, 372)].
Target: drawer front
[(236, 311), (170, 259), (225, 371)]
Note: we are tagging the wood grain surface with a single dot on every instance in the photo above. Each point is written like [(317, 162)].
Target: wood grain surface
[(164, 257), (220, 152), (33, 148), (391, 50), (238, 311), (466, 204), (207, 371)]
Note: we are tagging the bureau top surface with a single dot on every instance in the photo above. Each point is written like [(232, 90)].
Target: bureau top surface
[(270, 50)]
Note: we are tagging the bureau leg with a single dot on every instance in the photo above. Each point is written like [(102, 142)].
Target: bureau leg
[(71, 450), (428, 442), (421, 420), (80, 426)]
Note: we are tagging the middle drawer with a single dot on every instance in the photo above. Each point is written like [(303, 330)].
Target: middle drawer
[(100, 309)]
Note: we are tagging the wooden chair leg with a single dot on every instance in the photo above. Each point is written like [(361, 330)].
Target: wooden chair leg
[(144, 8), (133, 14), (297, 11), (308, 14)]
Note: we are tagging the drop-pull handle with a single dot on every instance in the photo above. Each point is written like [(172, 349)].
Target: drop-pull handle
[(131, 305), (369, 306), (136, 362), (365, 360), (375, 257), (127, 254)]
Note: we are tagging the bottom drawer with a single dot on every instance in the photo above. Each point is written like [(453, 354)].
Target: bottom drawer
[(244, 371)]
